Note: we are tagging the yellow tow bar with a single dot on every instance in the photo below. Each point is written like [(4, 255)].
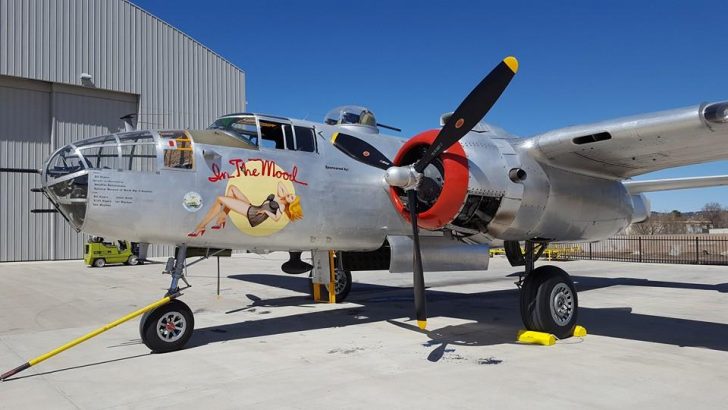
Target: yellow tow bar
[(87, 336)]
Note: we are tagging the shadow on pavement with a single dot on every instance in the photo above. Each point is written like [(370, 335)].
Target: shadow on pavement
[(493, 315)]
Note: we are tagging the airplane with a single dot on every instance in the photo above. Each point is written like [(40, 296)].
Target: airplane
[(435, 201)]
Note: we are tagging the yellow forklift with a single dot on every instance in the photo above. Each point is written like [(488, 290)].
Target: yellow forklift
[(98, 253)]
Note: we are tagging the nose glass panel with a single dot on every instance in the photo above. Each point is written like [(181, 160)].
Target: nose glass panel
[(64, 162), (66, 183), (70, 197)]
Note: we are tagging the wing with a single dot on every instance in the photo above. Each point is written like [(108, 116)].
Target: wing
[(626, 147), (638, 187)]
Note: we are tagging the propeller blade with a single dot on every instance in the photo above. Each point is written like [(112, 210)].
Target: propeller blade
[(471, 110), (360, 150), (419, 276)]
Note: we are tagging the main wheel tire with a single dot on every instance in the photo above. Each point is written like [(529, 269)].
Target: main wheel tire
[(133, 260), (549, 302), (342, 286), (99, 263), (168, 327), (529, 287)]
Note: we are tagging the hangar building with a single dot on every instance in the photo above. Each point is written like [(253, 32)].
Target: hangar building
[(70, 69)]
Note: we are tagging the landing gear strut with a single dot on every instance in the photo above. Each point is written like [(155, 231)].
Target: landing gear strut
[(549, 302)]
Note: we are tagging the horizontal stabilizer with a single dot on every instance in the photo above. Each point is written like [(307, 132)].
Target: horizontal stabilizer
[(636, 187)]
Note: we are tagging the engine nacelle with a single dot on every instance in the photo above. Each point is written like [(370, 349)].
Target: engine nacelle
[(511, 196), (490, 189)]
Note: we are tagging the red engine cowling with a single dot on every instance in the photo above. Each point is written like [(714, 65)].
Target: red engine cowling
[(454, 187)]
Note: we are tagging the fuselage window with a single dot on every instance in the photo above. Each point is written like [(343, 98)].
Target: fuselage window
[(177, 146), (305, 139)]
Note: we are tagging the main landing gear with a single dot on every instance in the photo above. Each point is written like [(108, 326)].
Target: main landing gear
[(549, 302)]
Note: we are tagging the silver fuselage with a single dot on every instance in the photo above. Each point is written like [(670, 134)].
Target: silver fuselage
[(346, 204)]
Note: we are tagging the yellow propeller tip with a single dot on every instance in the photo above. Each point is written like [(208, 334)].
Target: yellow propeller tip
[(422, 324), (512, 63)]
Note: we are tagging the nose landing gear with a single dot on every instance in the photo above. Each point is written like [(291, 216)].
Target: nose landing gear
[(169, 327)]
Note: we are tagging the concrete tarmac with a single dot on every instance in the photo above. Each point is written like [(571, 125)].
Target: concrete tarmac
[(658, 338)]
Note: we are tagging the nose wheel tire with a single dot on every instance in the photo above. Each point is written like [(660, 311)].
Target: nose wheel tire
[(549, 302), (342, 285), (168, 327)]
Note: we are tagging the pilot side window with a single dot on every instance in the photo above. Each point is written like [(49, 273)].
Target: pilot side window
[(281, 136)]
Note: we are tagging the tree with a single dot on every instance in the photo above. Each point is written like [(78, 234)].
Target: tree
[(660, 224), (651, 226), (714, 213)]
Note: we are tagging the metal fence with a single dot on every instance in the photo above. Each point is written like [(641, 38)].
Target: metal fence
[(685, 249)]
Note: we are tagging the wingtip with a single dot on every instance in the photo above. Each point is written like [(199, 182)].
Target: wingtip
[(512, 63)]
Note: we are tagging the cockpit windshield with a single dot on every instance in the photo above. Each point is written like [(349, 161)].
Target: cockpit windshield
[(241, 127)]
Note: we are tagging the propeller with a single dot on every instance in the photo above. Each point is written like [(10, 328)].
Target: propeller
[(469, 113), (360, 150)]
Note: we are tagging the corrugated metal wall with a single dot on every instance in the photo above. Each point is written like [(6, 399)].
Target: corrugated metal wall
[(179, 83), (24, 143), (83, 112)]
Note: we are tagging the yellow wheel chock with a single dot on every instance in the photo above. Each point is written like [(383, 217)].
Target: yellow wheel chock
[(545, 339)]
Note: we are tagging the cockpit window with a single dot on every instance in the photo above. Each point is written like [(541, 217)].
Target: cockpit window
[(274, 134), (243, 128)]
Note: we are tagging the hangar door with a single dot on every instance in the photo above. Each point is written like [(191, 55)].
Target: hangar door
[(37, 117)]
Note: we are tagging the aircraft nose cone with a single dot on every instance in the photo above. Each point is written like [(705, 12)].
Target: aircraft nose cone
[(65, 182)]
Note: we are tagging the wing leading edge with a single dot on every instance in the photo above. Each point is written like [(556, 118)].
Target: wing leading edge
[(631, 146)]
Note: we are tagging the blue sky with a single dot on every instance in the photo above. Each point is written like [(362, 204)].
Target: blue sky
[(410, 61)]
